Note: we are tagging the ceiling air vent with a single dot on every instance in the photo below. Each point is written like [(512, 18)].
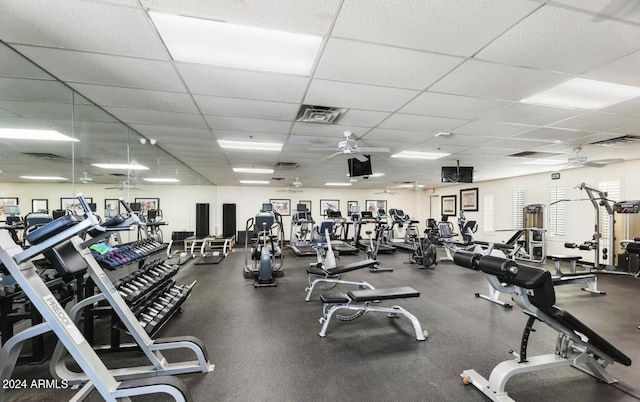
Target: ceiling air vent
[(288, 165), (118, 174), (277, 178), (534, 155), (319, 114), (45, 155), (625, 139)]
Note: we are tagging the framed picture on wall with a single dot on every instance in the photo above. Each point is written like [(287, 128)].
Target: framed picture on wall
[(350, 205), (469, 199), (448, 205), (281, 206), (374, 205), (7, 202), (306, 203), (147, 204), (73, 205), (332, 205), (39, 205)]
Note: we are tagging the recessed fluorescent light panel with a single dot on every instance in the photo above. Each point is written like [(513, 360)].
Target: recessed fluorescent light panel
[(43, 178), (337, 184), (254, 181), (250, 145), (582, 93), (28, 134), (252, 170), (196, 40), (121, 166), (419, 155), (161, 180)]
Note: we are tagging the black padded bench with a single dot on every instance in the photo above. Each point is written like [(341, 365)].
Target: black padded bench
[(333, 276), (532, 289), (358, 301)]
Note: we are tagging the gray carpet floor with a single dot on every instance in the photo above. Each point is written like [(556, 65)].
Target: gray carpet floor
[(265, 345)]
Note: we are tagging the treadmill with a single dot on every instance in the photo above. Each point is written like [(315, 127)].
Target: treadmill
[(399, 219), (301, 231), (367, 218), (339, 227)]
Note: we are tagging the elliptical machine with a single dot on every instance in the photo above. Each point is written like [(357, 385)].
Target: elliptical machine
[(264, 259)]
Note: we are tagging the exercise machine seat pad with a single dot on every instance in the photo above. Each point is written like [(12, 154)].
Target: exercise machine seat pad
[(335, 298), (633, 248), (364, 295), (565, 318), (53, 228)]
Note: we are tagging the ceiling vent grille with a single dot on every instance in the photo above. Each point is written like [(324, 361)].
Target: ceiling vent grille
[(534, 155), (319, 114), (288, 165), (625, 139), (45, 155)]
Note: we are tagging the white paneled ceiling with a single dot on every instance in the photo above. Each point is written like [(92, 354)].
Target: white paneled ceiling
[(404, 70)]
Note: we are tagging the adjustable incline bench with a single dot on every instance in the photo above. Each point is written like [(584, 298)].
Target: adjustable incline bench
[(532, 289), (358, 301), (317, 274)]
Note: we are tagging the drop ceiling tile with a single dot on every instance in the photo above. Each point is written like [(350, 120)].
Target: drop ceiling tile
[(521, 145), (233, 107), (493, 81), (552, 135), (209, 80), (490, 152), (39, 110), (492, 129), (629, 108), (394, 136), (137, 98), (455, 106), (357, 96), (364, 63), (423, 124), (112, 27), (614, 8), (459, 28), (460, 140), (249, 125), (362, 118), (535, 115), (169, 134), (34, 90), (92, 68), (621, 71), (16, 66), (578, 42), (294, 15), (327, 130), (259, 136), (596, 121), (140, 116)]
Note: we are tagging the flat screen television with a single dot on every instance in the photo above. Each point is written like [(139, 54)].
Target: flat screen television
[(358, 168), (457, 174), (135, 206)]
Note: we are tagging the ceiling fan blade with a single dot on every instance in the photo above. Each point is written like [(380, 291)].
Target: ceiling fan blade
[(321, 149), (607, 161), (360, 157), (333, 155), (373, 149)]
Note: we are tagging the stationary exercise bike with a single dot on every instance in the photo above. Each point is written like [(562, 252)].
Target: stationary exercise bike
[(423, 252)]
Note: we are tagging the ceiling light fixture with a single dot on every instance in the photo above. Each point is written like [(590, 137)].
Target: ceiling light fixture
[(582, 93), (121, 166), (419, 155), (31, 134), (197, 40), (252, 170), (161, 180), (338, 184), (254, 181), (43, 178), (250, 145)]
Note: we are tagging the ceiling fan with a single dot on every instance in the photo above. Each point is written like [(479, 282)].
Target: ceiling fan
[(350, 147), (125, 185), (296, 187), (387, 191), (580, 161), (85, 178)]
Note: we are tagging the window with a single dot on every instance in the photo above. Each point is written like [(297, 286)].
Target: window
[(517, 215), (488, 215), (557, 211), (614, 192)]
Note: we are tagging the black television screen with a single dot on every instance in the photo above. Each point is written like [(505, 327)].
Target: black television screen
[(457, 174), (267, 207), (135, 206), (358, 168)]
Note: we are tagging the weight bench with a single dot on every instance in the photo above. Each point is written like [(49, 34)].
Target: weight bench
[(358, 301), (561, 278), (532, 289), (317, 275)]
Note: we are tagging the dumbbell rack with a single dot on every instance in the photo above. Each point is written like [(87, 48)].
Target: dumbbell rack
[(113, 258), (149, 291)]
